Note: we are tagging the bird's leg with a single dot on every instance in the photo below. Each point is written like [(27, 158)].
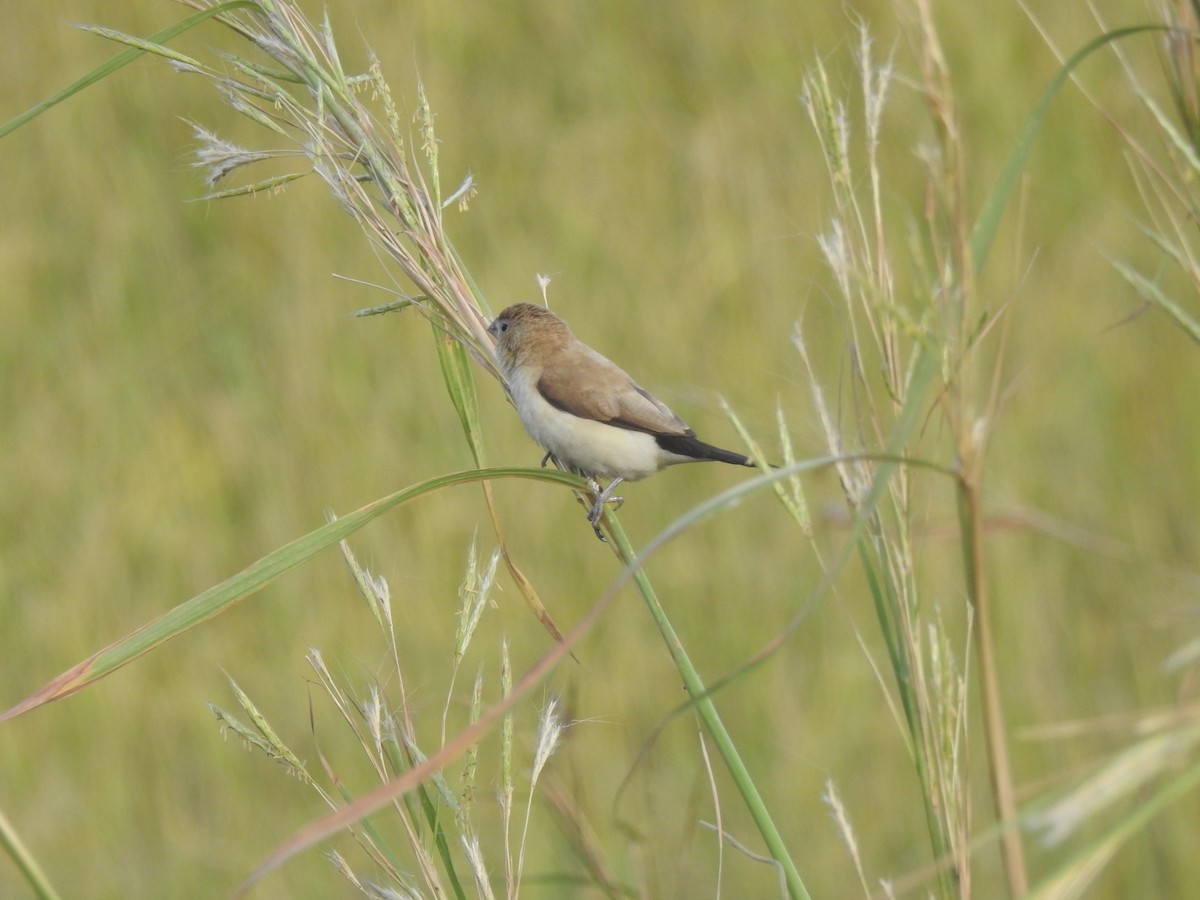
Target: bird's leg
[(547, 458), (605, 496)]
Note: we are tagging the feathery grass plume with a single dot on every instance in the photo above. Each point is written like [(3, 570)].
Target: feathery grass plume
[(474, 594), (261, 735), (838, 810), (1167, 178), (903, 339), (374, 591), (1123, 794), (478, 867), (791, 494), (1160, 766), (383, 176), (219, 158), (369, 161), (549, 735), (506, 791), (1165, 174), (471, 757), (264, 738), (1131, 771), (439, 831), (339, 863)]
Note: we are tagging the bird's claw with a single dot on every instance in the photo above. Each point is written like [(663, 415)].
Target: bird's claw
[(597, 511)]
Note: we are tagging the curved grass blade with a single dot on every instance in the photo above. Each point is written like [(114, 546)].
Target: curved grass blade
[(221, 597), (24, 860), (1151, 291), (408, 781), (117, 62), (988, 222)]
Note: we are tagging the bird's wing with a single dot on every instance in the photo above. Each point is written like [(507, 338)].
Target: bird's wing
[(592, 387)]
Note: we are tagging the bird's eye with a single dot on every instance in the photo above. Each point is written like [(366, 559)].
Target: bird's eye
[(503, 326)]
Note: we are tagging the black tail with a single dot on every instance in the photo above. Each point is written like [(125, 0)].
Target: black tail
[(691, 446)]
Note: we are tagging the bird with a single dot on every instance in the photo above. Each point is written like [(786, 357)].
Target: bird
[(585, 411)]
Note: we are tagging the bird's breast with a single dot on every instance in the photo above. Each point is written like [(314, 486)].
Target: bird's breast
[(592, 447)]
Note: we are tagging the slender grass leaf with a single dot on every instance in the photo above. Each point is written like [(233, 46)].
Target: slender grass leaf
[(460, 385), (1152, 292), (223, 596), (988, 222), (119, 61), (19, 854)]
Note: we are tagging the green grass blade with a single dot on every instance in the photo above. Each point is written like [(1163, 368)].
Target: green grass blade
[(249, 190), (1154, 294), (20, 855), (455, 747), (988, 222), (221, 597), (706, 709), (460, 384), (1075, 876), (117, 62), (433, 819)]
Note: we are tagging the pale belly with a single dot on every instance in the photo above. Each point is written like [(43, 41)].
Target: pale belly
[(594, 448)]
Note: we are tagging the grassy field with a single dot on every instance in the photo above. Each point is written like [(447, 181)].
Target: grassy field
[(183, 389)]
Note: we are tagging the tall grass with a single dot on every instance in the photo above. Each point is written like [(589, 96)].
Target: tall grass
[(925, 346), (914, 354), (372, 167)]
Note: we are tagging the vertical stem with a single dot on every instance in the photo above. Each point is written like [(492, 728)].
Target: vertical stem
[(707, 711), (999, 765)]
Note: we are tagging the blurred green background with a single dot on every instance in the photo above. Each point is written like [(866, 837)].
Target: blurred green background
[(182, 389)]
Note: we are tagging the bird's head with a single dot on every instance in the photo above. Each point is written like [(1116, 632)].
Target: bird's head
[(525, 333)]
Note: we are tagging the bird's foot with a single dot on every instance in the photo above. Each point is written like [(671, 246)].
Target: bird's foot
[(597, 511), (603, 498), (547, 458), (594, 518)]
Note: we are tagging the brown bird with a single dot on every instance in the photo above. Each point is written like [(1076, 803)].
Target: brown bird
[(585, 411)]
